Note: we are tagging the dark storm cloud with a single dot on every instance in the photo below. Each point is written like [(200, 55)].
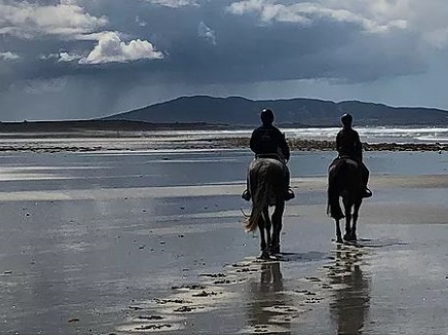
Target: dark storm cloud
[(115, 46), (246, 50)]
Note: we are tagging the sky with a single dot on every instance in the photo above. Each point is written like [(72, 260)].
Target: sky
[(78, 59)]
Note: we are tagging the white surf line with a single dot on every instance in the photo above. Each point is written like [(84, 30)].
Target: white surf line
[(29, 177)]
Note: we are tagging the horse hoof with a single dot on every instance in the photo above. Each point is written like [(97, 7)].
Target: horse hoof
[(264, 255), (350, 237), (274, 250), (339, 240)]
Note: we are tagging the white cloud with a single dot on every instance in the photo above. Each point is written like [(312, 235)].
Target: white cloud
[(27, 20), (206, 32), (268, 11), (111, 48), (63, 57), (174, 3), (49, 56), (66, 57), (9, 56), (424, 19), (308, 12)]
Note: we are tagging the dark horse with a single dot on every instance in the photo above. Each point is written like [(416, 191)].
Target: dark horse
[(344, 180), (267, 186)]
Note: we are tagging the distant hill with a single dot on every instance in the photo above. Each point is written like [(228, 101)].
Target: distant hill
[(236, 111)]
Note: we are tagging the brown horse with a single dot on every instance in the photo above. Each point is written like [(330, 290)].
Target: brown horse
[(267, 186), (345, 180)]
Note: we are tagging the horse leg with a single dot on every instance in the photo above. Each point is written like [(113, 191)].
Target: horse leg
[(355, 219), (338, 232), (267, 226), (277, 227), (262, 239), (348, 219), (265, 232)]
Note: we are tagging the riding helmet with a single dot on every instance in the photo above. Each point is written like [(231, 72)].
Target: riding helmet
[(267, 116), (347, 119)]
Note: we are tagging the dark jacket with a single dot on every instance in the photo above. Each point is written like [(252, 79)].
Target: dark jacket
[(267, 139), (348, 143)]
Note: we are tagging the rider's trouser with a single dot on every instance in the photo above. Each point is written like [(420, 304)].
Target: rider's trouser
[(364, 173)]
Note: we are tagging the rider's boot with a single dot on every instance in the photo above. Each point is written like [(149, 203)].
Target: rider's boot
[(289, 194), (246, 195), (366, 192)]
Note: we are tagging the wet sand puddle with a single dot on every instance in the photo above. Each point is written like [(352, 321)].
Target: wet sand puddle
[(174, 311), (268, 301)]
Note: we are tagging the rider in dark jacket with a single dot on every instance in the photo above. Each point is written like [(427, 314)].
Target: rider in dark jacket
[(267, 140), (349, 145)]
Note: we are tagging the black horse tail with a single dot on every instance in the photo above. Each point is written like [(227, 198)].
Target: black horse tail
[(333, 204), (260, 200)]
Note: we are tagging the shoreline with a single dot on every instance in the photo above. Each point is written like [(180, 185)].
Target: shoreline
[(111, 143), (324, 145)]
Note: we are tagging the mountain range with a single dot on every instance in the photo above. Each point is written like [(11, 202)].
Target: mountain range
[(237, 111)]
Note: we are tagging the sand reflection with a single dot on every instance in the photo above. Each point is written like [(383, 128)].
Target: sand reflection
[(269, 309), (351, 301)]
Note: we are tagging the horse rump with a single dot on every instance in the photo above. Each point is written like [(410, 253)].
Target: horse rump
[(266, 178), (333, 192)]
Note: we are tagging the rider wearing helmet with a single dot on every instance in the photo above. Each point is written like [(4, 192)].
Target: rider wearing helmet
[(348, 144), (268, 140)]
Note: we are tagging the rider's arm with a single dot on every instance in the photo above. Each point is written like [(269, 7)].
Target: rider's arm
[(284, 147), (338, 141), (358, 145), (254, 146)]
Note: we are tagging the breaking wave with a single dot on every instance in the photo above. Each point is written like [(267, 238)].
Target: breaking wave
[(367, 134)]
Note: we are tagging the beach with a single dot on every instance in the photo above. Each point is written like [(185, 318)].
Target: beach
[(127, 138), (151, 241)]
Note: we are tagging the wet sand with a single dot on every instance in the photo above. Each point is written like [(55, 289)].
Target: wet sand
[(126, 243)]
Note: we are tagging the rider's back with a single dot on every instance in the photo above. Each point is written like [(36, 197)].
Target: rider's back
[(348, 143), (267, 139)]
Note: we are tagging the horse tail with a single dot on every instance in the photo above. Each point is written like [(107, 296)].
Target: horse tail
[(260, 201), (333, 204)]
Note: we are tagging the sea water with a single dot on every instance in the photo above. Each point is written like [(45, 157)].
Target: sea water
[(367, 134)]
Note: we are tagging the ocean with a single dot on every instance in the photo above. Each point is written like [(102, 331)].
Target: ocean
[(367, 134)]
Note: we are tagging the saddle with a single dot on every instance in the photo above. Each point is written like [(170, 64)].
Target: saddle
[(276, 156), (349, 159), (273, 155)]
